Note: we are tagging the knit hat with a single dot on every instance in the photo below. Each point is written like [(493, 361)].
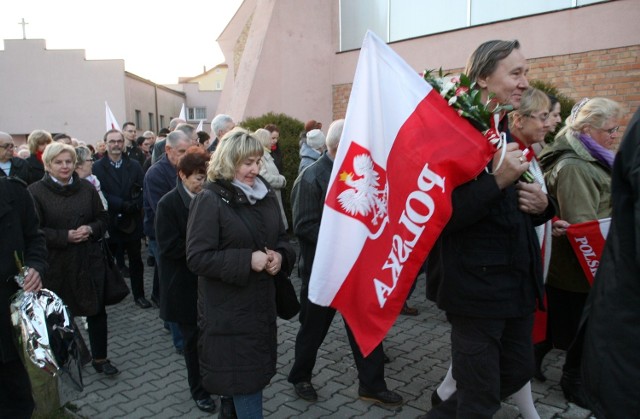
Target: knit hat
[(312, 124), (315, 139)]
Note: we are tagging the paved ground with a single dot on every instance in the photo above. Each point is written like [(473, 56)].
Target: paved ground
[(153, 383)]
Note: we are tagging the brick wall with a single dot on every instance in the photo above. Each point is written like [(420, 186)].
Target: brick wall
[(612, 73)]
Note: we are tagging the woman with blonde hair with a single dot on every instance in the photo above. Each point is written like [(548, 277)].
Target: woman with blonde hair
[(237, 244), (577, 170), (269, 170), (73, 220), (37, 141)]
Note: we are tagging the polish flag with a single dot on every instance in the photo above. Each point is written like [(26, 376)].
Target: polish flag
[(183, 113), (403, 151), (200, 126), (587, 240), (110, 119)]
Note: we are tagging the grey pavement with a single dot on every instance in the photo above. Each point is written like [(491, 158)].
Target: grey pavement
[(153, 378)]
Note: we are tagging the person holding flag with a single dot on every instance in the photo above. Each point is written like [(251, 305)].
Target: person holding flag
[(307, 200), (485, 270), (577, 169)]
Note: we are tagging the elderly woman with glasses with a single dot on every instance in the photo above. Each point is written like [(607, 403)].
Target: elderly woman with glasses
[(84, 169), (577, 169)]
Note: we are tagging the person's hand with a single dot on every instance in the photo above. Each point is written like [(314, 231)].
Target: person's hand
[(531, 198), (75, 236), (559, 228), (275, 264), (513, 165), (85, 231), (32, 281), (259, 261)]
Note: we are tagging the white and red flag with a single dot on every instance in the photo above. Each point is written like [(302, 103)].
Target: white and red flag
[(200, 126), (111, 122), (587, 240), (183, 113), (403, 151)]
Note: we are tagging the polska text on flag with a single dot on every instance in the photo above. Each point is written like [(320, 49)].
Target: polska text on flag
[(403, 151), (587, 240)]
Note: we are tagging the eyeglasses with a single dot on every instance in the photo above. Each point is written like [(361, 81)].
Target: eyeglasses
[(542, 117), (611, 131), (8, 146)]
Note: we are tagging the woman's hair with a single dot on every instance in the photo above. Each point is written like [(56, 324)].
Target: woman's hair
[(235, 147), (533, 100), (553, 100), (484, 60), (591, 112), (203, 137), (272, 127), (36, 138), (264, 136), (83, 154), (56, 148), (194, 160)]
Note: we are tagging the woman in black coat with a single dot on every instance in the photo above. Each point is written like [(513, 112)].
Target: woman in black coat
[(73, 220), (37, 141), (236, 243), (178, 285)]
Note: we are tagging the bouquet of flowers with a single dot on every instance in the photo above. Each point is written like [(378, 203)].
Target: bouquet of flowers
[(465, 97)]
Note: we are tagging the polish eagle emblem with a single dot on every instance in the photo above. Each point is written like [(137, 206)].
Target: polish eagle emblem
[(363, 196)]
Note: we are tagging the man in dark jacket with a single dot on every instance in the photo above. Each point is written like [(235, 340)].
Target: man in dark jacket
[(220, 125), (161, 179), (485, 271), (121, 181), (307, 198), (9, 165), (131, 148), (20, 235), (610, 363)]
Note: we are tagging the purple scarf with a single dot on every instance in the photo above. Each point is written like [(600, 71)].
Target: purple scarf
[(597, 151)]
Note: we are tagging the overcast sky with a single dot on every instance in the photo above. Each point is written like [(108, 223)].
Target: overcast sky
[(158, 40)]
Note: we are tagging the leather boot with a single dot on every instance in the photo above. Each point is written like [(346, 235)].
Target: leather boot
[(539, 351), (227, 408), (571, 384)]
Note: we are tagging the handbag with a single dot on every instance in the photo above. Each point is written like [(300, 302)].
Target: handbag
[(287, 304), (115, 288)]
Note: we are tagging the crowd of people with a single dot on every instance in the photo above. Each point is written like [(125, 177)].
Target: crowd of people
[(210, 210)]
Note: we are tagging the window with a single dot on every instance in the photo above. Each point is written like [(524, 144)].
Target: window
[(395, 20), (161, 122), (151, 121), (218, 85), (194, 114), (138, 118)]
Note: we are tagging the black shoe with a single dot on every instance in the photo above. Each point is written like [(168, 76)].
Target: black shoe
[(305, 391), (384, 397), (539, 351), (125, 272), (151, 261), (105, 368), (155, 302), (571, 385), (386, 359), (142, 302), (435, 398), (227, 408), (206, 405)]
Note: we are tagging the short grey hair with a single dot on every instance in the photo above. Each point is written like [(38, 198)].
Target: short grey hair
[(175, 137), (186, 128), (175, 122), (334, 134), (220, 123)]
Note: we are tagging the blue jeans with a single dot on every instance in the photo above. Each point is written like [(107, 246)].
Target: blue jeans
[(248, 406)]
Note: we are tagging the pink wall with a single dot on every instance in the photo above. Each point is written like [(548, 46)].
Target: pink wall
[(290, 61)]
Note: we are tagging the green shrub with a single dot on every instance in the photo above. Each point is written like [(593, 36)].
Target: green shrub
[(566, 103), (290, 129)]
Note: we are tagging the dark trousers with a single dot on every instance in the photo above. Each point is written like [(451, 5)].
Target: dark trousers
[(136, 269), (15, 391), (315, 321), (98, 334), (190, 334), (492, 359)]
